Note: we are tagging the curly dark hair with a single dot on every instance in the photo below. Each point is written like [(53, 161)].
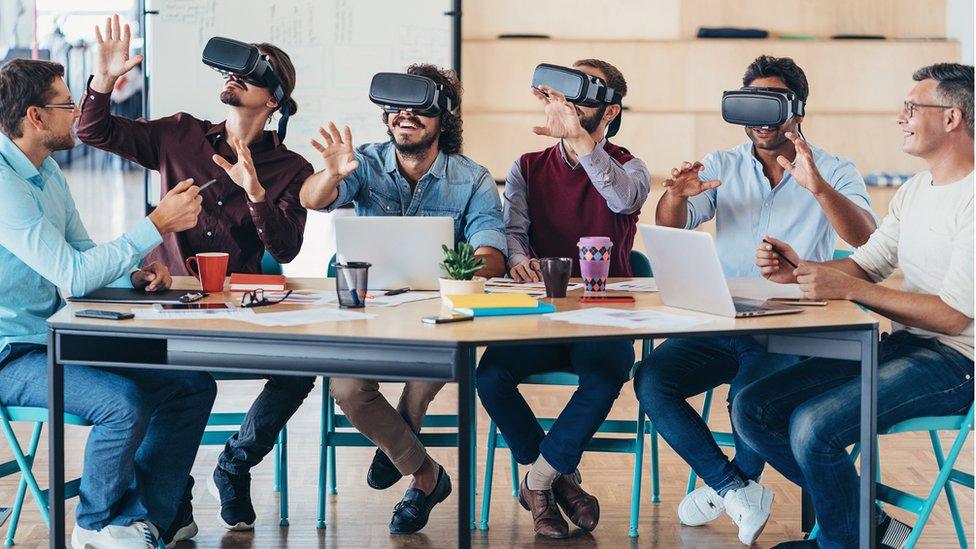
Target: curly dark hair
[(784, 68), (450, 136)]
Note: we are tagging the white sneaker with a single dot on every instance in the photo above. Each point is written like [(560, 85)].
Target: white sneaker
[(138, 535), (701, 506), (749, 508)]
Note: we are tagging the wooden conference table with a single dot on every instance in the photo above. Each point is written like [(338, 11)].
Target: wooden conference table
[(395, 346)]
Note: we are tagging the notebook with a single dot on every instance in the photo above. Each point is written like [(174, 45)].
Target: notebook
[(539, 309), (491, 301), (130, 295), (243, 282)]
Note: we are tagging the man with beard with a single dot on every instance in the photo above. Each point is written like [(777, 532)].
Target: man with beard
[(582, 185), (419, 171), (253, 207), (776, 184), (146, 423)]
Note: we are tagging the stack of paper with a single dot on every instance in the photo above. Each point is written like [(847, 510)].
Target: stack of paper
[(497, 304), (304, 316), (380, 300), (623, 318), (635, 285), (508, 286)]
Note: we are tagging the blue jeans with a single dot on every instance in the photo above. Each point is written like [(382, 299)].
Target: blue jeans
[(147, 429), (602, 367), (280, 399), (802, 420), (682, 368)]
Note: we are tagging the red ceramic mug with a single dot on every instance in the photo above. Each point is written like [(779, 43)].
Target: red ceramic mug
[(211, 268)]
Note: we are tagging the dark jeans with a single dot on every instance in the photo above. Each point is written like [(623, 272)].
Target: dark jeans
[(281, 397), (802, 420), (602, 367), (146, 431), (682, 368)]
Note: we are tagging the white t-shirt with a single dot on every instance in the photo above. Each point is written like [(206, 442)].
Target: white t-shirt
[(928, 233)]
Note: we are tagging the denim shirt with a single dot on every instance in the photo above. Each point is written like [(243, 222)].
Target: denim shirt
[(455, 186)]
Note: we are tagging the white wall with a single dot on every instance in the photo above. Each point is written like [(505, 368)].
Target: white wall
[(959, 25)]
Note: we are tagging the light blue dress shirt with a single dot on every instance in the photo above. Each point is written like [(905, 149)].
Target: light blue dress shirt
[(746, 208), (455, 186), (44, 246)]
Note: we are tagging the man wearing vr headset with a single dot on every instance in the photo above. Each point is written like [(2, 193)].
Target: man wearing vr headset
[(253, 207), (803, 419), (583, 185), (419, 171), (777, 184)]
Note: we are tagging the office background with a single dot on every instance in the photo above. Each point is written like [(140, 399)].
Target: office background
[(675, 80)]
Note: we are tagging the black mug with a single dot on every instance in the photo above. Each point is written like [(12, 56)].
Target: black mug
[(555, 274)]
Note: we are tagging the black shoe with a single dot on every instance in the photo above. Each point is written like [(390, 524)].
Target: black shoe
[(183, 526), (382, 473), (234, 493), (411, 514)]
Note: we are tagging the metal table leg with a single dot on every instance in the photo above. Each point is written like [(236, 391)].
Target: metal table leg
[(55, 406)]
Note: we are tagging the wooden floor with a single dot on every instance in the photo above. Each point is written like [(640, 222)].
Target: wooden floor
[(358, 516)]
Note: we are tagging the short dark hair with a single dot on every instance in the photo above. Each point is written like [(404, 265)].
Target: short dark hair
[(285, 69), (615, 78), (955, 86), (450, 139), (783, 67), (24, 83)]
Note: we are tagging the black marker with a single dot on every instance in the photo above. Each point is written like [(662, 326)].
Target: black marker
[(207, 184), (781, 254)]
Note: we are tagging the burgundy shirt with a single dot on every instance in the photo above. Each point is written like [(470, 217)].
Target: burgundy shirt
[(180, 147), (564, 205)]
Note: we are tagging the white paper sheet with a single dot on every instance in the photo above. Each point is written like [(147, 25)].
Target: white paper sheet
[(760, 288), (624, 318), (150, 313), (304, 316), (380, 300), (500, 285), (635, 285)]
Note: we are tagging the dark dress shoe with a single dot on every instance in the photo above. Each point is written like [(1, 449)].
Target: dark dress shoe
[(546, 518), (581, 508), (411, 514), (382, 473)]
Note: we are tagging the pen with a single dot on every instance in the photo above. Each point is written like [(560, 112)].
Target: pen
[(207, 184), (781, 254), (398, 291)]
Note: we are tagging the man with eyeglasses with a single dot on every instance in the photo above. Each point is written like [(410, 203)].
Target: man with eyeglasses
[(770, 185), (145, 422), (252, 209), (802, 419)]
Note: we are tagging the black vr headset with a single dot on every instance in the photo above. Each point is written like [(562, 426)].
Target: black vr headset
[(397, 92), (241, 60), (579, 88), (760, 107)]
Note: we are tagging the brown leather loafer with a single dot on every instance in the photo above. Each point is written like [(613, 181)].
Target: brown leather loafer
[(581, 508), (546, 518)]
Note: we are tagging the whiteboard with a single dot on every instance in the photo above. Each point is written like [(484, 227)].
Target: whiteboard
[(336, 46)]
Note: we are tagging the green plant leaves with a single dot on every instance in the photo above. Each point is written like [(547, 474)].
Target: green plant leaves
[(461, 264)]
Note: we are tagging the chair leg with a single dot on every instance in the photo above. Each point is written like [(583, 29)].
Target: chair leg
[(655, 469), (282, 466), (323, 459), (635, 488), (22, 487), (515, 477), (333, 465), (473, 463), (490, 447), (949, 492), (277, 465), (25, 466)]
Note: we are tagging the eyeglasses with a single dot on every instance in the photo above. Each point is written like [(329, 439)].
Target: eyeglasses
[(68, 106), (909, 107), (257, 299)]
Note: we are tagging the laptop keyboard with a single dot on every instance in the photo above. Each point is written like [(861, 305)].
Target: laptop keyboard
[(748, 305)]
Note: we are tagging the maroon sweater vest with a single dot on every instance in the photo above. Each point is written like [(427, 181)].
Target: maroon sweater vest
[(564, 205)]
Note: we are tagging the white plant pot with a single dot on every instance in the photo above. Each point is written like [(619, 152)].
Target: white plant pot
[(450, 286)]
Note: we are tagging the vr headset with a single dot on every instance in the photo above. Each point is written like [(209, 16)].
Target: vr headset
[(579, 88), (760, 107), (397, 92), (241, 60)]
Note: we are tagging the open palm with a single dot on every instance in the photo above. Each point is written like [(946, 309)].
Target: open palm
[(113, 49), (685, 182), (561, 118), (337, 152)]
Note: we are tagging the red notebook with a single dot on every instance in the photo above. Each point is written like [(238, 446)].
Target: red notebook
[(242, 282)]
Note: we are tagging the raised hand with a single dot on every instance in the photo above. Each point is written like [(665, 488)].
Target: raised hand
[(803, 168), (112, 57), (685, 182), (242, 172), (771, 265), (337, 151), (562, 121)]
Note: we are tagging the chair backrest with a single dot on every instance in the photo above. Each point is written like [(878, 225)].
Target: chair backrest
[(640, 266), (270, 265), (841, 254), (331, 272)]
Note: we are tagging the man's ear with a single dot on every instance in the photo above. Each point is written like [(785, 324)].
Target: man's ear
[(951, 119), (611, 113), (33, 118)]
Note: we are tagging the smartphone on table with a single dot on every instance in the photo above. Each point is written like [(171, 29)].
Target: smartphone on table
[(453, 317)]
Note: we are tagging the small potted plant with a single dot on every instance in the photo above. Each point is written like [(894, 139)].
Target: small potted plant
[(460, 265)]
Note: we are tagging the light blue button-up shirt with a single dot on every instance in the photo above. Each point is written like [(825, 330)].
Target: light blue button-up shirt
[(455, 186), (44, 246), (746, 208)]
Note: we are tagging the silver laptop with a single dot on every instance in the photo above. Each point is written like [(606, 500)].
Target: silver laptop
[(689, 275), (405, 252)]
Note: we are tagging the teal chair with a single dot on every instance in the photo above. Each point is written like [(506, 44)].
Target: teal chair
[(23, 462), (634, 444), (725, 440), (332, 438), (233, 420), (922, 507)]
